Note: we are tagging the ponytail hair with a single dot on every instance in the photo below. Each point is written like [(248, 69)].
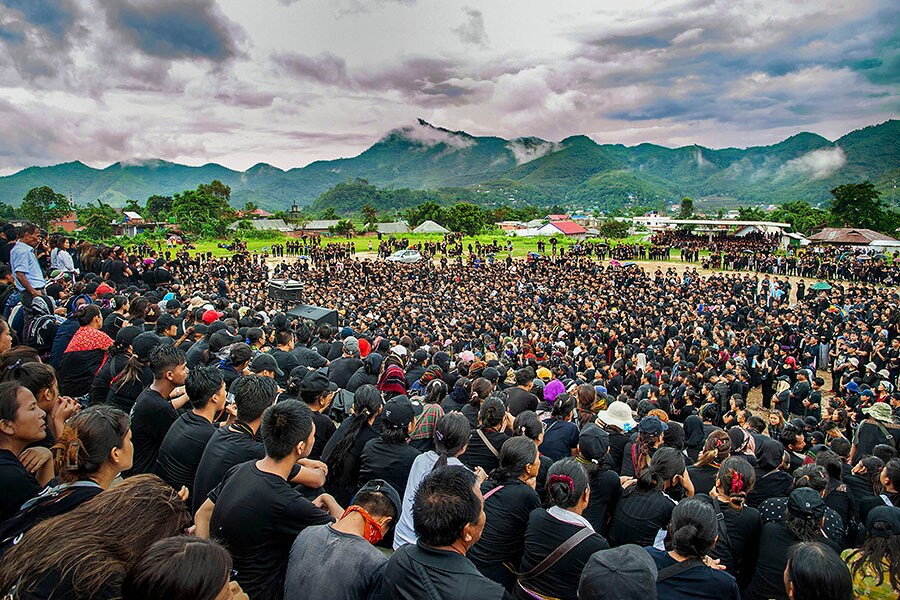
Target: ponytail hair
[(736, 478), (516, 453), (563, 406), (716, 449), (492, 412), (451, 435), (367, 403), (87, 440), (130, 373), (481, 387), (566, 483), (528, 424), (693, 528), (664, 466), (35, 376)]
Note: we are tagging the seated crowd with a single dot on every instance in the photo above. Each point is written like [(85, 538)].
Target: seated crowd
[(557, 430)]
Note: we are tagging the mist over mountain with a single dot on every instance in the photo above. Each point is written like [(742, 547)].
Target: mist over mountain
[(575, 171)]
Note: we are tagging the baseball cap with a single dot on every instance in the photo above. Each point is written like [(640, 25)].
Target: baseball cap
[(883, 521), (806, 503), (397, 414), (383, 487), (143, 344), (265, 362), (165, 321), (593, 443), (351, 345), (211, 315), (240, 353), (544, 373), (420, 355), (622, 573), (651, 424), (399, 350), (317, 382)]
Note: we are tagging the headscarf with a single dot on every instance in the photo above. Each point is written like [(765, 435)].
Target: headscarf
[(694, 436)]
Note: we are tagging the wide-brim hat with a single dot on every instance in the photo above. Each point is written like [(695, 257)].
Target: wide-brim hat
[(879, 411), (618, 414)]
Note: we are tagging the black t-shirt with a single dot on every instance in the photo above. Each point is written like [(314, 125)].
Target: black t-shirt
[(703, 478), (18, 485), (479, 455), (226, 448), (738, 553), (452, 575), (384, 460), (344, 485), (507, 511), (560, 438), (775, 544), (342, 369), (117, 272), (639, 517), (543, 535), (113, 323), (257, 515), (182, 449), (324, 430), (308, 357), (774, 484), (151, 418), (617, 442), (520, 400), (286, 362), (606, 489), (694, 584)]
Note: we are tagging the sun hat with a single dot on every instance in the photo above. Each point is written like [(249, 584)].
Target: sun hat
[(879, 411), (618, 414)]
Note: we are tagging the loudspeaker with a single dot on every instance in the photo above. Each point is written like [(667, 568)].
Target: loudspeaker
[(285, 290), (316, 314)]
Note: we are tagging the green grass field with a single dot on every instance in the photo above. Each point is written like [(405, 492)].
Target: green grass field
[(521, 246)]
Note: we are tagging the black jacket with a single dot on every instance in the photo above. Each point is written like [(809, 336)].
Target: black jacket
[(452, 575)]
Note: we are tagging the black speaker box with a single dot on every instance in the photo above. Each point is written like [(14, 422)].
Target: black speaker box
[(316, 314)]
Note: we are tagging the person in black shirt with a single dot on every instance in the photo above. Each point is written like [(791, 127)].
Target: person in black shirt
[(509, 499), (487, 439), (118, 271), (568, 494), (771, 480), (606, 488), (520, 398), (186, 439), (449, 518), (691, 535), (22, 472), (157, 407), (257, 513), (390, 457), (317, 392), (705, 471), (284, 340), (645, 508), (342, 452), (342, 369)]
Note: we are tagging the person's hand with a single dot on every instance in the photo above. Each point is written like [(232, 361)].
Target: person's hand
[(35, 458), (314, 464), (179, 391), (183, 494), (234, 592), (626, 481), (480, 475), (322, 500), (61, 311), (64, 407), (713, 563)]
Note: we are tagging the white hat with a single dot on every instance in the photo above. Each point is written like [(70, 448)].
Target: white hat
[(618, 414), (399, 350)]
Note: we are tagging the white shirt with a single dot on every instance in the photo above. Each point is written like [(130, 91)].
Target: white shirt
[(422, 466), (567, 516)]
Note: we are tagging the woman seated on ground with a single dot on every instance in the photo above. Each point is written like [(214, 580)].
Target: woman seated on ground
[(509, 498), (737, 545), (489, 436), (705, 471), (91, 452), (343, 451), (182, 567), (651, 435), (644, 510), (422, 438), (685, 571), (40, 379), (561, 434), (875, 566), (24, 471), (815, 572), (481, 389), (528, 425), (568, 494), (606, 488), (771, 480), (84, 554), (85, 354)]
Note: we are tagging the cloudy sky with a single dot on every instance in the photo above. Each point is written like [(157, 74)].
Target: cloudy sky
[(291, 81)]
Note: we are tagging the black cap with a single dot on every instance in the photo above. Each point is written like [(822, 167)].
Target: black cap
[(125, 336), (806, 503), (240, 353), (143, 344), (397, 414), (622, 573), (491, 374), (420, 355), (883, 521), (265, 362), (593, 443), (165, 321), (220, 339), (383, 487), (317, 382)]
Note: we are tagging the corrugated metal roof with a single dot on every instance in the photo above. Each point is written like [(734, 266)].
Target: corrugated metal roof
[(848, 235), (321, 225)]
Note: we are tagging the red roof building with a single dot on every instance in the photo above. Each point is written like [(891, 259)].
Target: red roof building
[(68, 223), (563, 227)]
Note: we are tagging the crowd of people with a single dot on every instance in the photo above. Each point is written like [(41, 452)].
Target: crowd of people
[(563, 428)]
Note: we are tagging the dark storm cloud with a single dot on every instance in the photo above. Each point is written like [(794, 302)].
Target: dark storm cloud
[(176, 29), (53, 16), (35, 37)]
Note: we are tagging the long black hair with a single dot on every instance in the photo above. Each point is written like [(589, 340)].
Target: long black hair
[(492, 413), (366, 403), (529, 425), (816, 572), (516, 453), (563, 407), (178, 568), (451, 435), (693, 528)]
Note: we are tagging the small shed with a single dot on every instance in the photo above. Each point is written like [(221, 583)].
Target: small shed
[(393, 228), (567, 228), (430, 227)]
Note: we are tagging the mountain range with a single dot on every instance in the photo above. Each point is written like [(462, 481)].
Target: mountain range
[(574, 172)]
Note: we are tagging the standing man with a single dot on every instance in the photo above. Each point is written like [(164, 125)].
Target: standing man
[(29, 278)]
